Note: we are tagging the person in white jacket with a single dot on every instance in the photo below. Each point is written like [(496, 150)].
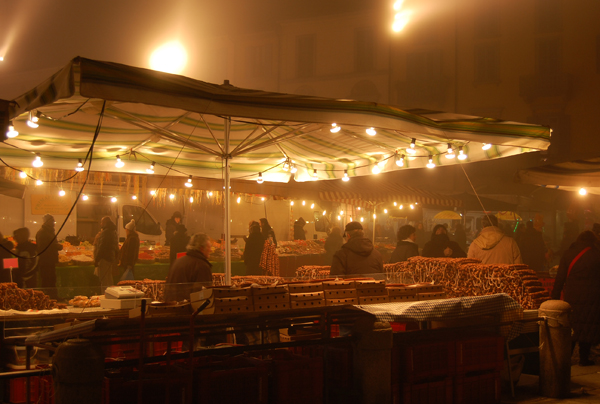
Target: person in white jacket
[(492, 246)]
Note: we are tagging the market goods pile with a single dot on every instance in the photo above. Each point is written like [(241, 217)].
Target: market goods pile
[(312, 272), (468, 277), (154, 290), (13, 297), (83, 301)]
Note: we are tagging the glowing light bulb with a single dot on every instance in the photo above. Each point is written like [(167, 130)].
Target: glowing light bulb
[(430, 164), (152, 192), (314, 174), (412, 206), (151, 169), (79, 168), (291, 203), (210, 193), (39, 182), (359, 208), (324, 212), (335, 128), (461, 154), (85, 197), (486, 146), (239, 199), (362, 219), (286, 166), (401, 206), (400, 160), (189, 182), (371, 132), (260, 179), (119, 163), (450, 153), (172, 196), (345, 177), (398, 5), (395, 204), (113, 199), (401, 19), (62, 192), (341, 212), (38, 161), (11, 133), (339, 218), (33, 121), (23, 174), (376, 169), (293, 169), (582, 191), (303, 203), (374, 216), (134, 197), (191, 199), (262, 198), (385, 211), (312, 205)]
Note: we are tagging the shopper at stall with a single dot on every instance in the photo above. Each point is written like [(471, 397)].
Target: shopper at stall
[(460, 236), (299, 232), (190, 272), (406, 246), (421, 235), (358, 256), (129, 251), (47, 249), (106, 252), (579, 276), (533, 248), (492, 246), (171, 226), (179, 243), (333, 243), (267, 230), (25, 249), (253, 250), (6, 247), (441, 246)]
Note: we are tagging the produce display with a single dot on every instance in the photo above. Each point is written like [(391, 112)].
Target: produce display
[(15, 298), (300, 247), (154, 290), (84, 301)]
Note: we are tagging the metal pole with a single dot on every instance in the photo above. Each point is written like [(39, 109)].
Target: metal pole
[(227, 198), (374, 218)]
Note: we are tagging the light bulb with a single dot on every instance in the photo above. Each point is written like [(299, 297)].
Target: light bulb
[(371, 132), (23, 174), (134, 197), (286, 166), (61, 192), (398, 5), (172, 196), (486, 146), (324, 212), (210, 193), (345, 177), (152, 192), (385, 211), (303, 203), (262, 198), (38, 161), (450, 153), (11, 133), (335, 128), (376, 169), (374, 216), (430, 164), (401, 206), (314, 174), (119, 163), (413, 143), (239, 199), (189, 182), (312, 205), (400, 160), (359, 208), (362, 219), (113, 199), (461, 154), (293, 169), (341, 212), (85, 197), (260, 179), (395, 204), (79, 168), (412, 206), (582, 191), (151, 169), (33, 120), (191, 199), (339, 218), (291, 203)]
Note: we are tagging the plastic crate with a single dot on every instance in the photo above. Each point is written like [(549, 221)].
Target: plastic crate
[(17, 392), (477, 388), (423, 361), (433, 392), (482, 353)]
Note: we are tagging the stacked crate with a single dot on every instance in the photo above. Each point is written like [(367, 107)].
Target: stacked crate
[(371, 292), (340, 292), (224, 300), (303, 295), (269, 298)]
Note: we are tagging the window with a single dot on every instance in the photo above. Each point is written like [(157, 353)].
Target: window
[(365, 49), (423, 66), (305, 56), (487, 21), (548, 15), (548, 56), (144, 223), (487, 63), (260, 61)]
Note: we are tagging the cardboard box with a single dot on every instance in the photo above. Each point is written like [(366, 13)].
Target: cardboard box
[(431, 296), (335, 302), (340, 293), (372, 291), (401, 291), (220, 293), (328, 285), (234, 301), (272, 306), (301, 304), (269, 290), (370, 284), (307, 296), (271, 299), (373, 299), (304, 287), (403, 298), (121, 303)]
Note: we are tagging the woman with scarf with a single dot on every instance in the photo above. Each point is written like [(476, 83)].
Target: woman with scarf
[(441, 246)]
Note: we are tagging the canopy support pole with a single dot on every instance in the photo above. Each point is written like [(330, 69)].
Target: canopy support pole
[(374, 218), (227, 193)]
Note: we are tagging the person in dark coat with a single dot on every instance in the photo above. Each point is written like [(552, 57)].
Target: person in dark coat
[(582, 291), (460, 236), (106, 252), (299, 232), (533, 248), (191, 272), (421, 235), (171, 226), (333, 243), (47, 248), (25, 249), (406, 246), (441, 246), (5, 252), (179, 243), (130, 250), (267, 230), (358, 256), (253, 249)]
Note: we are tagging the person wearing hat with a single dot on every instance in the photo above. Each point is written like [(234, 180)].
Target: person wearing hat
[(358, 256), (179, 241), (129, 251), (106, 252), (47, 250), (171, 226)]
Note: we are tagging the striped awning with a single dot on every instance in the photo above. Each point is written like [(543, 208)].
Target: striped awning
[(568, 176), (187, 127)]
